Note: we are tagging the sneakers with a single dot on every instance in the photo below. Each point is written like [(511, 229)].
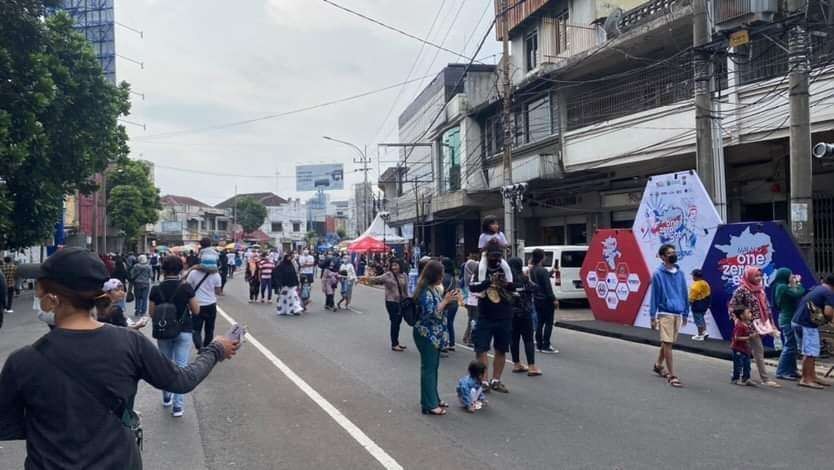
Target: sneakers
[(499, 386), (177, 413), (8, 310), (167, 400), (549, 350), (699, 338)]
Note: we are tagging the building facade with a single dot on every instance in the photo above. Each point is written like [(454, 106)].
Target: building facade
[(603, 98), (185, 220)]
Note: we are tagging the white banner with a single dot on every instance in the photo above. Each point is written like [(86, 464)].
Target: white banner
[(677, 210)]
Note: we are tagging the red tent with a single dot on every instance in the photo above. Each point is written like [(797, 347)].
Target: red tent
[(368, 244)]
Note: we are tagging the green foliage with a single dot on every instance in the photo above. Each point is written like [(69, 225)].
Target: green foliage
[(58, 120), (250, 213), (341, 233), (132, 198)]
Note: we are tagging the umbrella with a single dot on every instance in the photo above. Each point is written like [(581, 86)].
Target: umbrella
[(368, 244), (162, 248), (231, 246)]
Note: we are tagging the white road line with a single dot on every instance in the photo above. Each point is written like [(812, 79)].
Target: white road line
[(376, 452), (488, 354), (356, 311)]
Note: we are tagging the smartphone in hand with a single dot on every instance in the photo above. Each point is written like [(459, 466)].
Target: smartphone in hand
[(236, 333)]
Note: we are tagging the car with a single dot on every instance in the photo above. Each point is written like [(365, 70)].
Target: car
[(564, 263)]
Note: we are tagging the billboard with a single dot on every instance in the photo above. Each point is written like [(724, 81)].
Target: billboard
[(328, 177), (676, 210), (615, 276), (765, 245)]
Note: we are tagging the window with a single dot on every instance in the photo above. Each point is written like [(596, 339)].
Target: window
[(277, 227), (538, 119), (296, 226), (531, 50), (573, 259), (222, 225), (450, 161), (493, 136), (577, 234)]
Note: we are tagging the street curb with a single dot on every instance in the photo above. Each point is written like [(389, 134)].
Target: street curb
[(642, 340)]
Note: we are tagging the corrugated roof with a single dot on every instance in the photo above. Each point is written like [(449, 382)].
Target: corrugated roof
[(267, 199), (174, 200)]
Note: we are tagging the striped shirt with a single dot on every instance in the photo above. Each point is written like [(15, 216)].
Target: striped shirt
[(266, 266)]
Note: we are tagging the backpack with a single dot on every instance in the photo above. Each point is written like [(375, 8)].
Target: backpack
[(167, 322), (409, 309)]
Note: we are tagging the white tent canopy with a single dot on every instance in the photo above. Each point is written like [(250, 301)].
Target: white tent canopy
[(381, 231)]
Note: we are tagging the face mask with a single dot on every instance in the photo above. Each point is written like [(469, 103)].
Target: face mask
[(672, 259)]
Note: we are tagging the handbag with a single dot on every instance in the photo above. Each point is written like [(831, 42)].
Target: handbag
[(130, 296), (817, 314), (116, 406), (763, 327)]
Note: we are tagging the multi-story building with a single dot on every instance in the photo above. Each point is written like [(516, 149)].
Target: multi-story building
[(363, 196), (185, 220), (603, 98), (286, 221)]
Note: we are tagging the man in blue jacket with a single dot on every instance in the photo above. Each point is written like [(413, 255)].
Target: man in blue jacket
[(669, 309)]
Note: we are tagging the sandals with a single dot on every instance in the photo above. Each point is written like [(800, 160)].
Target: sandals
[(660, 371), (814, 386), (534, 373), (674, 382), (519, 369), (435, 412), (398, 348), (442, 404)]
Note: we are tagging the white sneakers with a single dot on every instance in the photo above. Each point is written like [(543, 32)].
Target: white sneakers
[(700, 337)]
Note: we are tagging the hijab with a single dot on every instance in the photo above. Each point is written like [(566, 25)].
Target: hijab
[(780, 283), (758, 290)]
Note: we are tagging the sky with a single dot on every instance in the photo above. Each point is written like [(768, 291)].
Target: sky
[(207, 64)]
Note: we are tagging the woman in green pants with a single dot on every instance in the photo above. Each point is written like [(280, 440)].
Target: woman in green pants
[(430, 333)]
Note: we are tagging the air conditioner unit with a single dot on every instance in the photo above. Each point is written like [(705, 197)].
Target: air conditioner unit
[(733, 14)]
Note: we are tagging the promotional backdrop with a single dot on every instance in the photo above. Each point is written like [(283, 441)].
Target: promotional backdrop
[(677, 210), (615, 276), (766, 245)]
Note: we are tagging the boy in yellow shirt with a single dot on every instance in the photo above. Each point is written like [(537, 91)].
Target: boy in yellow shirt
[(700, 296)]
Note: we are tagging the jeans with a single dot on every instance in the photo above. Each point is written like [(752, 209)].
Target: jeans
[(471, 318), (204, 322), (9, 297), (156, 271), (545, 310), (176, 349), (328, 300), (396, 318), (522, 330), (266, 288), (429, 363), (741, 366), (787, 360), (451, 312), (141, 291)]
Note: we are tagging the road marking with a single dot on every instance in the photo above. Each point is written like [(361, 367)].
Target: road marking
[(488, 354), (356, 311), (370, 446)]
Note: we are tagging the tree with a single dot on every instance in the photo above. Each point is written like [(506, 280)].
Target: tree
[(341, 233), (250, 213), (132, 198), (58, 119)]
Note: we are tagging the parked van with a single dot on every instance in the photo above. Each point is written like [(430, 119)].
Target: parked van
[(563, 262)]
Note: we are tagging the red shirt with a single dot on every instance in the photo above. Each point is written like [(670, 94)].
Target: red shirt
[(741, 345)]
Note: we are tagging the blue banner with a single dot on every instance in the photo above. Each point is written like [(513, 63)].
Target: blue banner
[(766, 245)]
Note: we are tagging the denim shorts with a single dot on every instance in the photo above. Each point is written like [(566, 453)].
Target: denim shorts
[(698, 317), (808, 339), (489, 331)]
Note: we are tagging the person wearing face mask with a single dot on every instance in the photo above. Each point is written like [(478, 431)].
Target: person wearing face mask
[(669, 310), (347, 276), (70, 394), (307, 265)]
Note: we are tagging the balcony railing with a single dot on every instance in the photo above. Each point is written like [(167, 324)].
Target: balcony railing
[(741, 10), (564, 40)]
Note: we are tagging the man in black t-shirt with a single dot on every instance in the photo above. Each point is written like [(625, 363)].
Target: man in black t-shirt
[(495, 317), (177, 349)]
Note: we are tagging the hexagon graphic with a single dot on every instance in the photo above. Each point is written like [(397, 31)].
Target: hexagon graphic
[(622, 291), (614, 256), (591, 279), (612, 281), (611, 300), (633, 282)]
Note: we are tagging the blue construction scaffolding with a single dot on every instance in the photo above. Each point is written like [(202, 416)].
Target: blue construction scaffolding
[(96, 20)]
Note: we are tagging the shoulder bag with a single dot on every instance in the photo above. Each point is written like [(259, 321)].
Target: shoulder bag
[(408, 308), (817, 314), (118, 407)]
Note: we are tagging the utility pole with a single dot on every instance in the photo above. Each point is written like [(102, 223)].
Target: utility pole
[(509, 214), (801, 187), (709, 148)]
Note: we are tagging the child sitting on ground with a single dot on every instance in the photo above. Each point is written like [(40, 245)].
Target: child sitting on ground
[(491, 231), (470, 392), (742, 332)]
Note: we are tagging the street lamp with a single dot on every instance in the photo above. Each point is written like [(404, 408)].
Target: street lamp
[(364, 161)]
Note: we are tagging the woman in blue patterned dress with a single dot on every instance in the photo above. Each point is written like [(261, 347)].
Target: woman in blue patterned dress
[(430, 333)]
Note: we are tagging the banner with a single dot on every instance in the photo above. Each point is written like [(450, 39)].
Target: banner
[(676, 210), (326, 177), (615, 276), (765, 245)]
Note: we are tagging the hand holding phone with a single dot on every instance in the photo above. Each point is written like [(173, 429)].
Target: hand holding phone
[(236, 333)]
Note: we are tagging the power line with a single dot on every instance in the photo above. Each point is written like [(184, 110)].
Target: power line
[(163, 135), (393, 28)]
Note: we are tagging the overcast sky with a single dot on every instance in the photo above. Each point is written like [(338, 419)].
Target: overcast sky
[(208, 63)]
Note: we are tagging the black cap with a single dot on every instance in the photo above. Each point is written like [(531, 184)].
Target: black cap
[(75, 268)]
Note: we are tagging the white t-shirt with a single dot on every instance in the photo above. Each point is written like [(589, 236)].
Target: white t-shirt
[(230, 258), (205, 294), (308, 264)]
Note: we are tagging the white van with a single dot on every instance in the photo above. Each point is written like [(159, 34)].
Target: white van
[(563, 262)]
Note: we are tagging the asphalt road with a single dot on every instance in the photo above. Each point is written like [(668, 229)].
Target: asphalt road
[(325, 391)]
